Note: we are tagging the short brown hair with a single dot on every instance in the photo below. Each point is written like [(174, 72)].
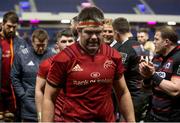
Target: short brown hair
[(121, 25), (91, 13), (10, 16), (40, 34), (169, 33), (145, 30)]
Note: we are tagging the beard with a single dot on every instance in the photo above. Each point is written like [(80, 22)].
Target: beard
[(9, 35), (160, 50)]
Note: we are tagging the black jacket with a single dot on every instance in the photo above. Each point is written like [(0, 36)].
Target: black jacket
[(131, 53)]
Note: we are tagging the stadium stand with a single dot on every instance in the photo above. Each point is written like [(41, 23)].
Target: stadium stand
[(57, 6), (165, 7), (117, 6), (170, 7), (6, 5)]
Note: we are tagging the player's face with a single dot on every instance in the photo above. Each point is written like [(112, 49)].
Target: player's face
[(108, 34), (65, 41), (160, 44), (142, 37), (39, 46), (91, 39), (9, 29)]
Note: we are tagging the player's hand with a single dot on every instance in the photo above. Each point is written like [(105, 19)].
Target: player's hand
[(146, 69)]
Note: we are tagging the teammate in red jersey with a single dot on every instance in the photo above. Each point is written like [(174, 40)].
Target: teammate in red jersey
[(64, 39), (86, 72)]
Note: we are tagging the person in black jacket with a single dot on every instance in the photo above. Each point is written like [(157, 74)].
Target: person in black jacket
[(24, 71), (131, 52)]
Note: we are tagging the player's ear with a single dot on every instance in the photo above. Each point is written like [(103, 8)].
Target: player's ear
[(168, 42)]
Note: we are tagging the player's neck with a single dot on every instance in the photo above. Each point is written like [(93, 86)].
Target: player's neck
[(125, 37), (169, 49)]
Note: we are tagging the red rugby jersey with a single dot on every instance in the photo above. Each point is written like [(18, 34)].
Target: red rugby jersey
[(44, 67), (6, 90), (87, 83)]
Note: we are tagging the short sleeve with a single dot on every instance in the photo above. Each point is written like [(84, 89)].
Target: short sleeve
[(43, 69), (119, 69), (57, 73)]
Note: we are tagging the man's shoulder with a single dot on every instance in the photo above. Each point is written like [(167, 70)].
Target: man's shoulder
[(132, 42), (23, 53), (45, 64), (50, 52), (130, 46), (127, 44), (134, 46), (176, 54), (110, 51), (67, 54), (19, 43), (18, 40)]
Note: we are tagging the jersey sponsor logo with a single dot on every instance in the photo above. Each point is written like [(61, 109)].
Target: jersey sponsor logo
[(77, 68), (30, 63), (178, 70), (161, 74), (108, 64), (25, 51), (95, 74), (92, 81)]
